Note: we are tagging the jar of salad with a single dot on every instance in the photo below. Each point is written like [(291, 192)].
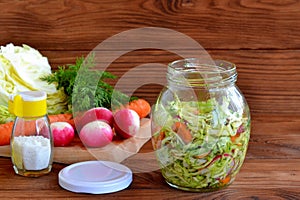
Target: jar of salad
[(200, 125)]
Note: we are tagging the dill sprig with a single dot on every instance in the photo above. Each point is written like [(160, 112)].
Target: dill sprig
[(82, 92)]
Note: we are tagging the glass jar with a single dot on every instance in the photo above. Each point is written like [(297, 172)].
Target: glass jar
[(31, 141), (200, 125)]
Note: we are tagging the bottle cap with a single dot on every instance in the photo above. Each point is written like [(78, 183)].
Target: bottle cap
[(95, 177), (28, 104)]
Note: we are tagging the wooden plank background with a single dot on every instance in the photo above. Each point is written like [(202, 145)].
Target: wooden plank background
[(262, 37)]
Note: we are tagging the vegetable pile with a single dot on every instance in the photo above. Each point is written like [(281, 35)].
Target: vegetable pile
[(24, 68), (99, 124), (200, 144)]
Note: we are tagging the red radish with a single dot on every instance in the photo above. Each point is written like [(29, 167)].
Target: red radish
[(96, 134), (126, 123), (98, 113), (63, 133)]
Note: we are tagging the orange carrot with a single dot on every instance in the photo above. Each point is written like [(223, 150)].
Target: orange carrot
[(158, 139), (60, 117), (66, 117), (140, 106), (240, 130), (225, 180), (233, 138), (5, 133), (183, 132)]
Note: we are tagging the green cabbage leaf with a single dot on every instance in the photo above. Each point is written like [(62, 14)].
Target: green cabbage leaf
[(21, 69)]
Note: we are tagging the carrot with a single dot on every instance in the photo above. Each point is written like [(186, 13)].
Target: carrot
[(66, 117), (6, 129), (140, 106), (225, 180), (233, 138), (158, 139), (240, 130), (5, 133), (60, 117), (183, 132)]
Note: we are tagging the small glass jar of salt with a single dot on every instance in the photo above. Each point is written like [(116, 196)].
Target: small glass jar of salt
[(31, 141)]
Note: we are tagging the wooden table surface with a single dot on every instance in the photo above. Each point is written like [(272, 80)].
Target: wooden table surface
[(271, 171), (262, 37)]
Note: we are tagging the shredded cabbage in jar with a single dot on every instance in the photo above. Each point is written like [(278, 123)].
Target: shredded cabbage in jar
[(200, 144)]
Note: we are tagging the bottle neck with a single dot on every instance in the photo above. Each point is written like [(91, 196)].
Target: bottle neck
[(194, 73)]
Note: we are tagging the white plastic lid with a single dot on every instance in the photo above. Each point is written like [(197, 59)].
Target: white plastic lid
[(30, 95), (95, 177)]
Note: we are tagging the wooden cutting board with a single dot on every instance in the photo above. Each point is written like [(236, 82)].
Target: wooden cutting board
[(116, 151)]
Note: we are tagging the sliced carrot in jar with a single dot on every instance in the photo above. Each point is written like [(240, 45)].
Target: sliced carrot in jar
[(226, 180), (183, 132)]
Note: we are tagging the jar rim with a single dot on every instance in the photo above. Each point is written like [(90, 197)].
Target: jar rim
[(197, 72)]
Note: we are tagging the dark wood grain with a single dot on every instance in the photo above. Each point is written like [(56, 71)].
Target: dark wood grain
[(81, 25)]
